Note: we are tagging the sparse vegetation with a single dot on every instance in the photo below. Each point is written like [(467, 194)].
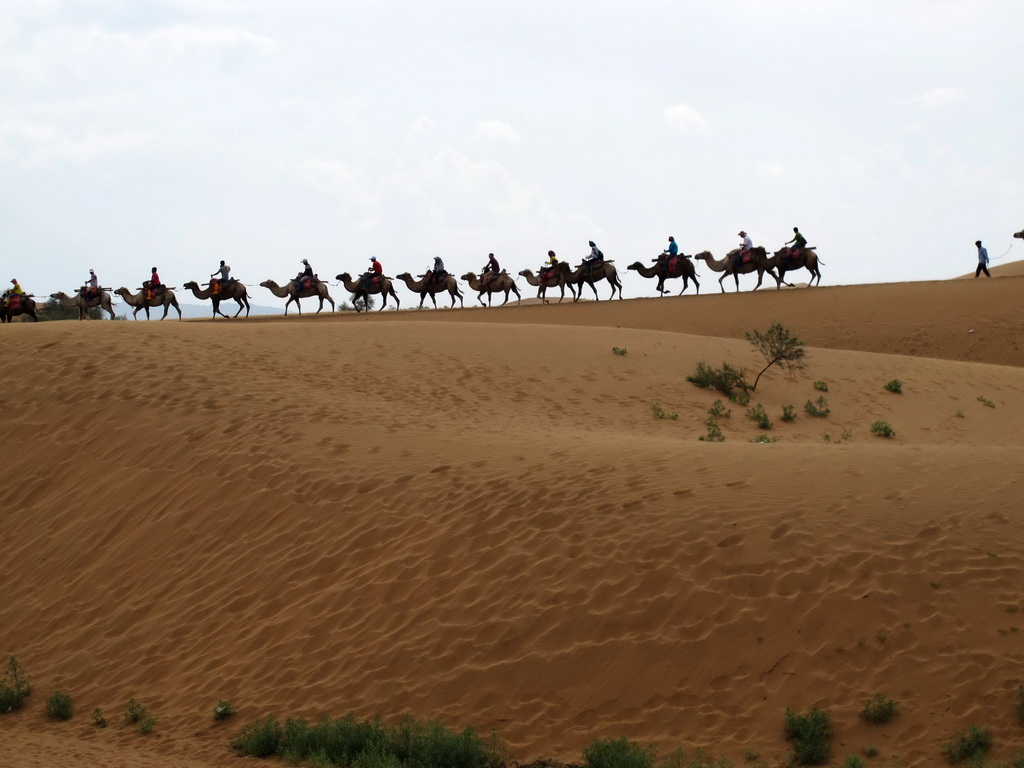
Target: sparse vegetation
[(661, 413), (138, 715), (971, 743), (371, 744), (986, 402), (959, 414), (788, 413), (59, 706), (882, 429), (223, 710), (1020, 703), (810, 734), (870, 750), (14, 688), (719, 411), (778, 346), (757, 413), (895, 386), (879, 709), (618, 753), (619, 350), (98, 719), (821, 386), (750, 755), (765, 439), (853, 761), (714, 433), (727, 380), (818, 408)]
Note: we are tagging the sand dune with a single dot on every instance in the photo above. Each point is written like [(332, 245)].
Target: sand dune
[(473, 516)]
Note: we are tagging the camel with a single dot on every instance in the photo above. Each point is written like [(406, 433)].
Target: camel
[(1019, 234), (557, 279), (383, 287), (805, 258), (26, 306), (684, 269), (101, 300), (138, 300), (762, 262), (318, 289), (602, 271), (232, 289), (448, 284), (498, 283)]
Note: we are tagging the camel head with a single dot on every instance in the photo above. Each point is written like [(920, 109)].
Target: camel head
[(635, 265), (58, 295), (267, 284), (122, 291), (1019, 234), (526, 273), (344, 277), (190, 285), (468, 276), (403, 276), (703, 255)]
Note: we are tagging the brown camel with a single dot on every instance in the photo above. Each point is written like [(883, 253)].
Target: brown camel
[(318, 289), (550, 280), (359, 291), (449, 284), (167, 299), (593, 273), (761, 262), (25, 305), (683, 268), (101, 300), (232, 289), (785, 262), (497, 283)]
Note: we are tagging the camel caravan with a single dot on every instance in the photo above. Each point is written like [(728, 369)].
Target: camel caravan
[(91, 300)]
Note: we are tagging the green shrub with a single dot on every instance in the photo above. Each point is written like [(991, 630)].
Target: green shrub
[(661, 413), (619, 350), (618, 753), (145, 725), (699, 759), (788, 413), (883, 429), (714, 433), (821, 386), (727, 380), (879, 709), (972, 743), (870, 750), (98, 719), (1018, 759), (986, 402), (258, 739), (59, 706), (818, 408), (895, 386), (719, 411), (222, 710), (757, 413), (778, 346), (765, 439), (810, 735), (134, 712), (14, 688), (852, 761), (1020, 702)]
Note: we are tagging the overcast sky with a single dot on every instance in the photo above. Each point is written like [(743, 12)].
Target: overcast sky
[(175, 133)]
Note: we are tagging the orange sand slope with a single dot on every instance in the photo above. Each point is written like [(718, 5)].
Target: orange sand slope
[(473, 516)]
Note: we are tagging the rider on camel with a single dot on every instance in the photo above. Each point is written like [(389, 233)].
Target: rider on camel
[(301, 278), (16, 290), (92, 286), (669, 256), (490, 270), (153, 286), (745, 247), (799, 242), (217, 283), (547, 270), (436, 273), (375, 270)]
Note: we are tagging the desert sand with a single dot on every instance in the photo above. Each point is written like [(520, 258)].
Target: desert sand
[(473, 516)]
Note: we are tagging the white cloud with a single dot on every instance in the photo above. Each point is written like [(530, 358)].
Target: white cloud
[(686, 119), (496, 130), (773, 170), (33, 143), (937, 97), (182, 36), (421, 126)]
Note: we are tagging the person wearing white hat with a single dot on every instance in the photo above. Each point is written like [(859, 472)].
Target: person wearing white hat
[(92, 286), (747, 244)]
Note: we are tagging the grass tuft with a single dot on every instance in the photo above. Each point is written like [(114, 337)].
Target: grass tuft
[(879, 709), (818, 408), (98, 719), (810, 734), (59, 706), (971, 743), (883, 429), (727, 380), (821, 386), (223, 710), (758, 414), (895, 386), (619, 350), (661, 413), (788, 413)]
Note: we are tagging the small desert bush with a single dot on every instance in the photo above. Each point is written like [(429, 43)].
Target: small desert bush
[(727, 380), (136, 714), (818, 408), (1020, 702), (810, 734), (821, 386), (778, 346), (986, 402), (757, 414), (788, 413), (719, 411), (258, 739), (59, 706), (1018, 759), (222, 710), (14, 688), (879, 709), (619, 350), (895, 386), (883, 429), (661, 413), (618, 753), (971, 743), (765, 439), (699, 759), (853, 761), (98, 719), (870, 750), (714, 433)]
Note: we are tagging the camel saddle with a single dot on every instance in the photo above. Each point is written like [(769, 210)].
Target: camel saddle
[(548, 273), (304, 282), (14, 303)]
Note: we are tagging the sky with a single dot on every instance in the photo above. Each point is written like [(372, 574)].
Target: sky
[(176, 133)]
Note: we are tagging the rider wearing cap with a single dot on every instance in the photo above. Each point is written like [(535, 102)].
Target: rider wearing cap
[(17, 289), (595, 253), (92, 285), (490, 269), (375, 270)]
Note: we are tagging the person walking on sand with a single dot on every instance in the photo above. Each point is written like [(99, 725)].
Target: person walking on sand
[(982, 260)]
